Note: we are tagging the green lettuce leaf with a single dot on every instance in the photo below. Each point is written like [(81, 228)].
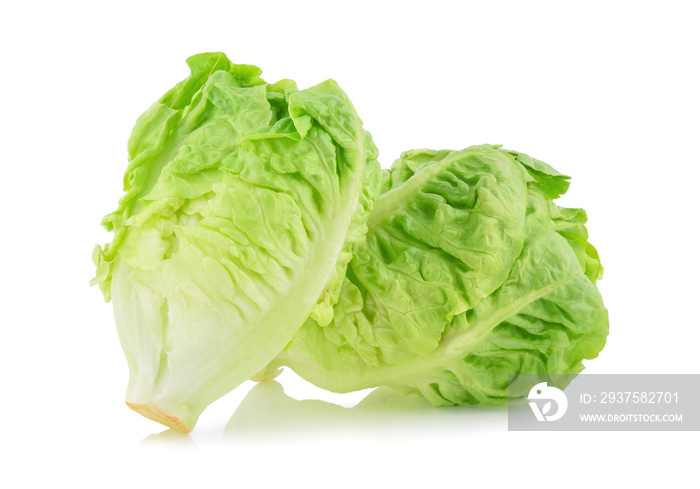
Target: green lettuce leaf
[(469, 274), (242, 202)]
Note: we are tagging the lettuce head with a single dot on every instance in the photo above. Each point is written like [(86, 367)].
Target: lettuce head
[(469, 274), (243, 202)]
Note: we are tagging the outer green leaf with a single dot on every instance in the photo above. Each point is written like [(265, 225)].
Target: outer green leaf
[(551, 182)]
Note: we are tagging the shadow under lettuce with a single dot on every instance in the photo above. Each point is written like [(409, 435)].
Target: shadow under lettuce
[(268, 412), (168, 438)]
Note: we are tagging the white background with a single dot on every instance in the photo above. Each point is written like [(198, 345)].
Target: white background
[(607, 92)]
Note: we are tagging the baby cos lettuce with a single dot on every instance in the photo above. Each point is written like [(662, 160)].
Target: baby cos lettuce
[(253, 235), (242, 202), (469, 274)]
